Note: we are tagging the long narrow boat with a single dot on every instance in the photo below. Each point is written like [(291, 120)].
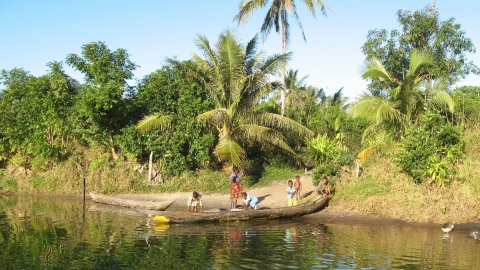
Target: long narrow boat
[(226, 216), (138, 204)]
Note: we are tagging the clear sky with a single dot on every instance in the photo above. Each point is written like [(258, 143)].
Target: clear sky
[(35, 32)]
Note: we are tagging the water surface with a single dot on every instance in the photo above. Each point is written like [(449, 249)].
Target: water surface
[(54, 233)]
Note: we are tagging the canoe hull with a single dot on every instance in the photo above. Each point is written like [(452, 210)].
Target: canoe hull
[(148, 205), (228, 216)]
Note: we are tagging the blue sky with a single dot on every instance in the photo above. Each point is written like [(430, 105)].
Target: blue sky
[(37, 32)]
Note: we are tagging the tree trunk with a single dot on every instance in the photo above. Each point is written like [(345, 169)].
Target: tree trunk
[(284, 65), (150, 168), (112, 149)]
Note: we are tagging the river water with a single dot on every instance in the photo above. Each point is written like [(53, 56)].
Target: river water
[(55, 233)]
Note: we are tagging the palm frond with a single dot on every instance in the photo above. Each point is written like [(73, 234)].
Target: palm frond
[(293, 10), (437, 91), (216, 116), (155, 121), (311, 6), (263, 135), (280, 122), (272, 19), (232, 64), (273, 63), (365, 153), (443, 100), (188, 71), (228, 149), (377, 110), (376, 70), (204, 45), (378, 140), (251, 49), (256, 91), (417, 61), (292, 82), (247, 7)]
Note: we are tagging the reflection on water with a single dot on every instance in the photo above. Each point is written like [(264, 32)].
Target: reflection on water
[(47, 233)]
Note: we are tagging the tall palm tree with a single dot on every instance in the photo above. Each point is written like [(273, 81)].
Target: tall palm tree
[(236, 77), (403, 99), (278, 17)]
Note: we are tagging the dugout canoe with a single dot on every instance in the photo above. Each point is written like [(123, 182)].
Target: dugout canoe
[(137, 204), (245, 215)]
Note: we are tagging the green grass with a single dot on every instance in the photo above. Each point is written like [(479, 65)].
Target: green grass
[(365, 188), (274, 174)]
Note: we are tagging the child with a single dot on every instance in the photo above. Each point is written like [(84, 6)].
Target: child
[(250, 202), (324, 189), (291, 191), (194, 201), (298, 187)]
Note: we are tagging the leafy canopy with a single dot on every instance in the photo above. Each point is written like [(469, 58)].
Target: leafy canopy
[(402, 100), (235, 77), (103, 105), (423, 31)]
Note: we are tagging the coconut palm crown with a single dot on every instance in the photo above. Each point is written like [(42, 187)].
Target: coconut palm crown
[(278, 17), (236, 77), (403, 99)]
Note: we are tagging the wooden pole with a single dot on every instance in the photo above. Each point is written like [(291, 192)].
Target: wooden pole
[(84, 188)]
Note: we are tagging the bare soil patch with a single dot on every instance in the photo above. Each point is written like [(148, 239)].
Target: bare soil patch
[(272, 196)]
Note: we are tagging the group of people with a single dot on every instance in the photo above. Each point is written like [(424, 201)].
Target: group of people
[(195, 204), (236, 192), (294, 190), (294, 193)]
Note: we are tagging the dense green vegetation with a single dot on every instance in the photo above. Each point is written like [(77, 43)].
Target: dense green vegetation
[(221, 108)]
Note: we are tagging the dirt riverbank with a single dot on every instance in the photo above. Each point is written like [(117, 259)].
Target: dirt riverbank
[(275, 196)]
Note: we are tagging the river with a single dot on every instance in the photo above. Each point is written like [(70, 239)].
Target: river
[(55, 233)]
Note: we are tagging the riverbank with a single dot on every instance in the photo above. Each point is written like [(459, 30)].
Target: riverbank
[(382, 190), (274, 195)]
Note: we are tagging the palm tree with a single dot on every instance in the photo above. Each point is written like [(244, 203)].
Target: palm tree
[(339, 100), (278, 16), (403, 99), (236, 77), (296, 90)]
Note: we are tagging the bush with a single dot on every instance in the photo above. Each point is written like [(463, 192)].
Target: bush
[(330, 155), (328, 169), (9, 184), (430, 148)]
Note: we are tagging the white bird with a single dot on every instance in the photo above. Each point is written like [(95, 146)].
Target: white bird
[(475, 235), (447, 227)]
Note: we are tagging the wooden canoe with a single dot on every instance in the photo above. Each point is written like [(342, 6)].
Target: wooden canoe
[(227, 216), (138, 204)]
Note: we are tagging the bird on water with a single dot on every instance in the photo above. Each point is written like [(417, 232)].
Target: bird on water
[(447, 227)]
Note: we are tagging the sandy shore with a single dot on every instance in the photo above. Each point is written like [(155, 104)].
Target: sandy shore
[(272, 196), (275, 196)]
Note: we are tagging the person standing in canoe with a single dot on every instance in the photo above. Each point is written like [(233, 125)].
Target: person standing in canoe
[(235, 188)]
